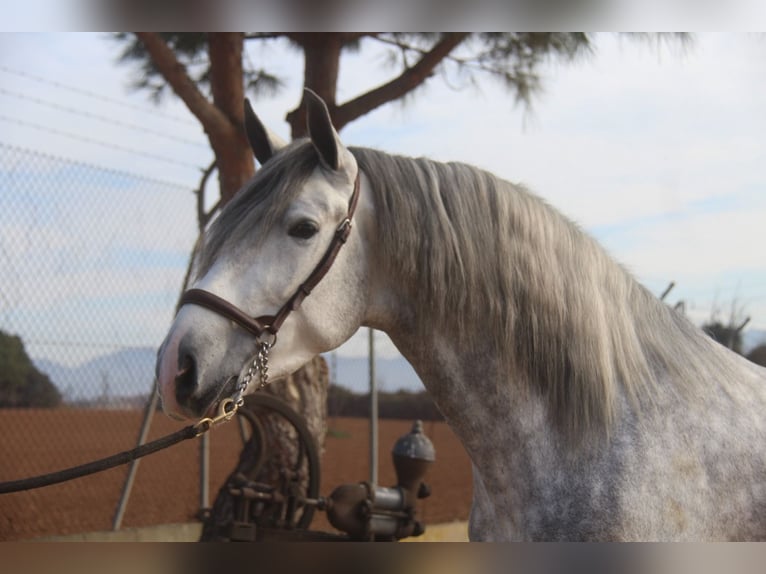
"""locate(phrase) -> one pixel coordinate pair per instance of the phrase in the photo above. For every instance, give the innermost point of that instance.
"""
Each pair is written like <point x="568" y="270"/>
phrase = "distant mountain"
<point x="130" y="372"/>
<point x="127" y="372"/>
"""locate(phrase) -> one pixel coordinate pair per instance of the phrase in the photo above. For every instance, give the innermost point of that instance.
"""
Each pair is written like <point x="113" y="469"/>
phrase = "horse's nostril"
<point x="186" y="379"/>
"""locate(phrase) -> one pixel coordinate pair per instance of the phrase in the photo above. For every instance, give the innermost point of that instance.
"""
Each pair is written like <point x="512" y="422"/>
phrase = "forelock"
<point x="252" y="212"/>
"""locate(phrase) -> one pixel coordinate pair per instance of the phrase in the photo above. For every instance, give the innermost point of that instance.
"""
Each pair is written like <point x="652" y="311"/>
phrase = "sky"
<point x="657" y="151"/>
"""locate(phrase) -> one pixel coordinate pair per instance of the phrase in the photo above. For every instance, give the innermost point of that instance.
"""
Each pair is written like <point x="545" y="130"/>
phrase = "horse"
<point x="589" y="409"/>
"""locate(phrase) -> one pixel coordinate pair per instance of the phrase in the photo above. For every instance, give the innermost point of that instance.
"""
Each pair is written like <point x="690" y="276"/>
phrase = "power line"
<point x="104" y="119"/>
<point x="98" y="142"/>
<point x="92" y="95"/>
<point x="4" y="147"/>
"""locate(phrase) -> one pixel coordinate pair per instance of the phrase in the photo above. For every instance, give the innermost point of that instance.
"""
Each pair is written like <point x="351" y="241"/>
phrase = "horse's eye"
<point x="303" y="230"/>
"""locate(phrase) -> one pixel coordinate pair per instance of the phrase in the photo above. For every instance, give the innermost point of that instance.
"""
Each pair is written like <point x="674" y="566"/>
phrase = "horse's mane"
<point x="485" y="256"/>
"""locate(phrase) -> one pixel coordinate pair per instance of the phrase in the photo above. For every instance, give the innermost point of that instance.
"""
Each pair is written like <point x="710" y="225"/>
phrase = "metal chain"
<point x="260" y="365"/>
<point x="262" y="362"/>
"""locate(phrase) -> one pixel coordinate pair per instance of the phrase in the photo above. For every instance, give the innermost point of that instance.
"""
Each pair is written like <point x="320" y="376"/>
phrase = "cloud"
<point x="69" y="70"/>
<point x="693" y="246"/>
<point x="93" y="259"/>
<point x="659" y="154"/>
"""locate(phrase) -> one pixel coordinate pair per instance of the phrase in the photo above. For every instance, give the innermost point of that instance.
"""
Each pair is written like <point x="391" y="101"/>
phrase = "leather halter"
<point x="270" y="324"/>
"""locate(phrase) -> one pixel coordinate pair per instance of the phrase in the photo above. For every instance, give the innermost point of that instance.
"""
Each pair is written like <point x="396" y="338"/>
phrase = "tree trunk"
<point x="322" y="64"/>
<point x="322" y="53"/>
<point x="232" y="152"/>
<point x="222" y="119"/>
<point x="306" y="390"/>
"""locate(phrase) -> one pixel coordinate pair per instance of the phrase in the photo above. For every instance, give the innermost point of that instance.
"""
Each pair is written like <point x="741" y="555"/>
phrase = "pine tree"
<point x="21" y="384"/>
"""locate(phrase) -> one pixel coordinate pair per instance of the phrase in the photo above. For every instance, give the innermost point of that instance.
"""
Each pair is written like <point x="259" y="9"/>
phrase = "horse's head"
<point x="259" y="255"/>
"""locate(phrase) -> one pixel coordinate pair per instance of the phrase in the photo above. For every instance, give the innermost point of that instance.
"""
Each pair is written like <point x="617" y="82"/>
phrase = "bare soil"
<point x="166" y="489"/>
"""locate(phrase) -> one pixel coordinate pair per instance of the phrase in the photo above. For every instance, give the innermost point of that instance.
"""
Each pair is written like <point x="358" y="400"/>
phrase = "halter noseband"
<point x="270" y="324"/>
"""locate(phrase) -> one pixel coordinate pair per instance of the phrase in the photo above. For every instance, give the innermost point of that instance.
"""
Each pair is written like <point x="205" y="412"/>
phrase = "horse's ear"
<point x="322" y="134"/>
<point x="263" y="141"/>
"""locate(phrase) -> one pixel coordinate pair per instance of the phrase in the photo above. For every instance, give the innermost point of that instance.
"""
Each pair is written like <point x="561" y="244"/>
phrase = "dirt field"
<point x="166" y="489"/>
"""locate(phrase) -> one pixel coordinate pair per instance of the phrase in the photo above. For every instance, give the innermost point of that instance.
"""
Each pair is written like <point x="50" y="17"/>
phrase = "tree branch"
<point x="202" y="216"/>
<point x="185" y="88"/>
<point x="225" y="52"/>
<point x="399" y="86"/>
<point x="474" y="62"/>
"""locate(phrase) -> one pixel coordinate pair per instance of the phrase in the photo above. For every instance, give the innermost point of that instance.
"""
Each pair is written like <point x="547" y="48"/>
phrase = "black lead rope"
<point x="125" y="457"/>
<point x="225" y="412"/>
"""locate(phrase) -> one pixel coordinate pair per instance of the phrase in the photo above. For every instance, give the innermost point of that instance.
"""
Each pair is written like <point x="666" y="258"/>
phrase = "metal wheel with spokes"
<point x="256" y="497"/>
<point x="299" y="478"/>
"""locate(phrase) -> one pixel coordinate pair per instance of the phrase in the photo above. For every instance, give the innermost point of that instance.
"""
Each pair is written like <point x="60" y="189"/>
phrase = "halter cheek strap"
<point x="270" y="324"/>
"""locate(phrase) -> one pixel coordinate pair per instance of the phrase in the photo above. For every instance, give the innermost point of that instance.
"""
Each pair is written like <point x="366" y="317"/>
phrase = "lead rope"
<point x="226" y="411"/>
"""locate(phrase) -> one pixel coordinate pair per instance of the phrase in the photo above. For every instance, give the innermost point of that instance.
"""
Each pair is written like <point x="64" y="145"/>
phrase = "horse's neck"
<point x="503" y="430"/>
<point x="473" y="393"/>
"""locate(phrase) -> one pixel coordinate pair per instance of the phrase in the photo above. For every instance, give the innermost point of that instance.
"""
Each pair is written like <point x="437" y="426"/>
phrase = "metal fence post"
<point x="373" y="411"/>
<point x="151" y="406"/>
<point x="204" y="474"/>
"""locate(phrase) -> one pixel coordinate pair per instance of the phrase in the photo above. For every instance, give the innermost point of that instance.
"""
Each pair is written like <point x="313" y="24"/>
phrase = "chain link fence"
<point x="92" y="263"/>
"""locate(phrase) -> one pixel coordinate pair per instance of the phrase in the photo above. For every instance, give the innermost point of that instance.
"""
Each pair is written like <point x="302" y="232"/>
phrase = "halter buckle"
<point x="343" y="230"/>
